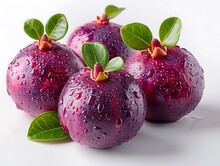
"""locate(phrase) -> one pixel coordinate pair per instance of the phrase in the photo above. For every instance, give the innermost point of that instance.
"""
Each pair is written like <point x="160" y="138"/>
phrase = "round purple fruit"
<point x="101" y="106"/>
<point x="36" y="76"/>
<point x="170" y="76"/>
<point x="101" y="31"/>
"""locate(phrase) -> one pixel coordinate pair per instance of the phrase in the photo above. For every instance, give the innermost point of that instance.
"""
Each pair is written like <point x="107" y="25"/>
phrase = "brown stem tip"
<point x="97" y="73"/>
<point x="44" y="43"/>
<point x="157" y="50"/>
<point x="103" y="19"/>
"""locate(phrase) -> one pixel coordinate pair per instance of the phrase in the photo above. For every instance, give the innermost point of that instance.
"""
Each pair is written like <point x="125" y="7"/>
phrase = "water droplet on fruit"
<point x="73" y="112"/>
<point x="118" y="123"/>
<point x="108" y="117"/>
<point x="35" y="72"/>
<point x="17" y="64"/>
<point x="97" y="128"/>
<point x="27" y="62"/>
<point x="33" y="64"/>
<point x="100" y="108"/>
<point x="91" y="100"/>
<point x="78" y="95"/>
<point x="104" y="134"/>
<point x="136" y="94"/>
<point x="93" y="91"/>
<point x="71" y="92"/>
<point x="18" y="77"/>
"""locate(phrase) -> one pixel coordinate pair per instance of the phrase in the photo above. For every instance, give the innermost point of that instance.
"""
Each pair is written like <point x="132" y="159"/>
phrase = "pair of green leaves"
<point x="138" y="36"/>
<point x="95" y="52"/>
<point x="56" y="27"/>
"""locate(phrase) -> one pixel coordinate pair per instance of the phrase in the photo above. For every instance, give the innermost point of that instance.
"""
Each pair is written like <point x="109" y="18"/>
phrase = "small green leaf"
<point x="169" y="32"/>
<point x="94" y="52"/>
<point x="136" y="35"/>
<point x="57" y="26"/>
<point x="46" y="127"/>
<point x="34" y="28"/>
<point x="112" y="11"/>
<point x="114" y="64"/>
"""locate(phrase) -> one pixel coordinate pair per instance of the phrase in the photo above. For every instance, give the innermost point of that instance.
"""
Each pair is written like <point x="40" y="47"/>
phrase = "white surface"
<point x="192" y="141"/>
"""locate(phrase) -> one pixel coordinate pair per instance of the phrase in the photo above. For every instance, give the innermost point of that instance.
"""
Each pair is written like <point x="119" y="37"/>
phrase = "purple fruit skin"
<point x="173" y="85"/>
<point x="35" y="78"/>
<point x="107" y="34"/>
<point x="102" y="114"/>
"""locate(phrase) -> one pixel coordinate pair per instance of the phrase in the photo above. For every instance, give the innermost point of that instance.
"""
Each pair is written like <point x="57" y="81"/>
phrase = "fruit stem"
<point x="103" y="19"/>
<point x="44" y="43"/>
<point x="157" y="50"/>
<point x="97" y="73"/>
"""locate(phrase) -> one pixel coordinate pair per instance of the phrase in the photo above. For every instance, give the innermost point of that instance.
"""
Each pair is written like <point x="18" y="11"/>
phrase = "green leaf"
<point x="112" y="11"/>
<point x="94" y="52"/>
<point x="46" y="127"/>
<point x="169" y="32"/>
<point x="114" y="64"/>
<point x="136" y="35"/>
<point x="57" y="26"/>
<point x="34" y="28"/>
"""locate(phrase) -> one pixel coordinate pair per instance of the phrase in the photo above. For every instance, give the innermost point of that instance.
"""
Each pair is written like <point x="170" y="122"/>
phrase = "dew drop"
<point x="92" y="100"/>
<point x="78" y="95"/>
<point x="97" y="128"/>
<point x="35" y="72"/>
<point x="136" y="94"/>
<point x="18" y="77"/>
<point x="27" y="62"/>
<point x="33" y="64"/>
<point x="100" y="108"/>
<point x="104" y="134"/>
<point x="118" y="123"/>
<point x="17" y="64"/>
<point x="71" y="92"/>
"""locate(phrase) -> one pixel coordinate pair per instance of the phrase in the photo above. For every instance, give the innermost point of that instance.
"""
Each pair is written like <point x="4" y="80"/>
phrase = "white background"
<point x="192" y="141"/>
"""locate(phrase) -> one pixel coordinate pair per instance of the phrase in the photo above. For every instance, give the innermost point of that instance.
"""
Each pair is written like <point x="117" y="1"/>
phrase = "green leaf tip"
<point x="114" y="64"/>
<point x="112" y="11"/>
<point x="46" y="127"/>
<point x="34" y="28"/>
<point x="136" y="35"/>
<point x="57" y="26"/>
<point x="95" y="52"/>
<point x="169" y="31"/>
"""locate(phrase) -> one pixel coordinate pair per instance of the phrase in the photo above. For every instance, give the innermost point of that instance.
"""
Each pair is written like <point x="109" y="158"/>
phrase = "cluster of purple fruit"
<point x="102" y="105"/>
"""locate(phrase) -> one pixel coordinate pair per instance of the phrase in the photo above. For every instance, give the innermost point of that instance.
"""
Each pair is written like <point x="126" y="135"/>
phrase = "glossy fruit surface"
<point x="173" y="85"/>
<point x="107" y="34"/>
<point x="36" y="77"/>
<point x="101" y="114"/>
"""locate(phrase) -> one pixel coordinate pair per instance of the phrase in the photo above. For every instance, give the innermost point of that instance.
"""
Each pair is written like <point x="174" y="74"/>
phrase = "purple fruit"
<point x="173" y="85"/>
<point x="101" y="31"/>
<point x="103" y="110"/>
<point x="36" y="76"/>
<point x="171" y="77"/>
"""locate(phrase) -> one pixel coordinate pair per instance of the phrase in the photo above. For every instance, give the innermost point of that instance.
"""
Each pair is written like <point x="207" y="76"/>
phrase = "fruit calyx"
<point x="96" y="56"/>
<point x="103" y="19"/>
<point x="44" y="43"/>
<point x="157" y="50"/>
<point x="56" y="28"/>
<point x="97" y="73"/>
